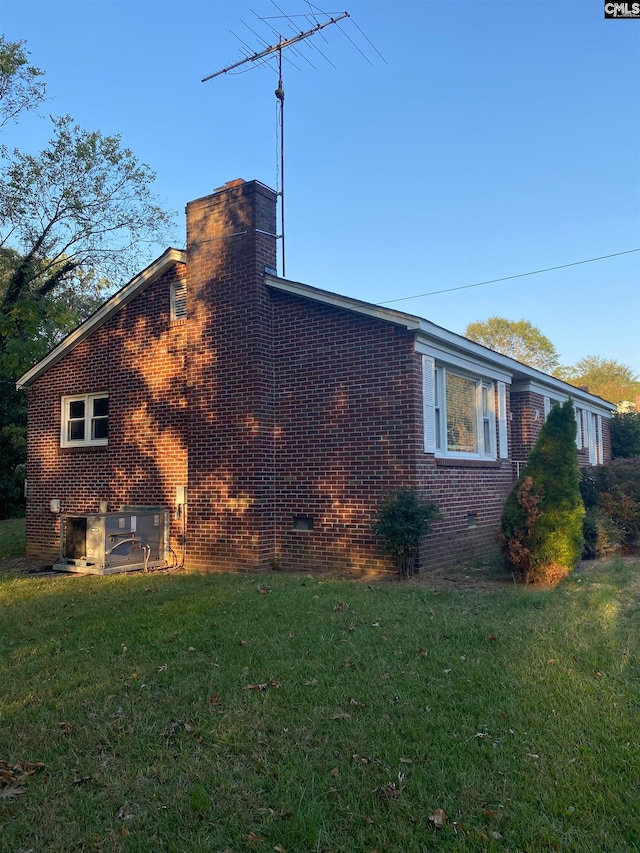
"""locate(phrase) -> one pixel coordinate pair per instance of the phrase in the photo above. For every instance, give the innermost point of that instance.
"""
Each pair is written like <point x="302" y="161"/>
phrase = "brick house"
<point x="285" y="410"/>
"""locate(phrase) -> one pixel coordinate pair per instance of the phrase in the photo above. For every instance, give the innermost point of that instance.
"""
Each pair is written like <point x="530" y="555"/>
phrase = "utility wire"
<point x="509" y="277"/>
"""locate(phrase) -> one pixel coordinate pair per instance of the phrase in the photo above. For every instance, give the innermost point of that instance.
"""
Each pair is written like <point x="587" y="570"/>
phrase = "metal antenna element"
<point x="259" y="58"/>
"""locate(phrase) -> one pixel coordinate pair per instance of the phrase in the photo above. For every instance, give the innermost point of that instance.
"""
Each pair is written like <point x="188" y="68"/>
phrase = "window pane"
<point x="486" y="434"/>
<point x="99" y="427"/>
<point x="76" y="409"/>
<point x="461" y="407"/>
<point x="76" y="430"/>
<point x="100" y="406"/>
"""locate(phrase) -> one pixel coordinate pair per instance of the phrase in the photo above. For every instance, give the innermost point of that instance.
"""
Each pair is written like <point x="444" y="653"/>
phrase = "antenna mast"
<point x="269" y="51"/>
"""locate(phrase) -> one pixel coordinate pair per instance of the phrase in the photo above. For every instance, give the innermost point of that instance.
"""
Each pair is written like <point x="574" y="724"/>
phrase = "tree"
<point x="75" y="221"/>
<point x="518" y="339"/>
<point x="541" y="532"/>
<point x="625" y="435"/>
<point x="605" y="378"/>
<point x="82" y="203"/>
<point x="20" y="85"/>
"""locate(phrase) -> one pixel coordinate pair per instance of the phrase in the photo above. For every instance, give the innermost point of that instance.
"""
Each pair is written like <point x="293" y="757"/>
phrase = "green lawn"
<point x="232" y="713"/>
<point x="12" y="537"/>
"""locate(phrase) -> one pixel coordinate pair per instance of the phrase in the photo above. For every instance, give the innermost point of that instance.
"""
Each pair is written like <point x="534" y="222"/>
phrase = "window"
<point x="85" y="420"/>
<point x="460" y="413"/>
<point x="178" y="300"/>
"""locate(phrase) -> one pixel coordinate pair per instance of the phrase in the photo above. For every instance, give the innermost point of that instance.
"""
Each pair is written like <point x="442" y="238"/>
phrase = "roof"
<point x="430" y="338"/>
<point x="444" y="343"/>
<point x="137" y="284"/>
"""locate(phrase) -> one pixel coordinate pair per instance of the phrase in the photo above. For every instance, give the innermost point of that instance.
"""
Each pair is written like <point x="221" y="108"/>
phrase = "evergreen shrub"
<point x="404" y="517"/>
<point x="541" y="534"/>
<point x="611" y="495"/>
<point x="625" y="435"/>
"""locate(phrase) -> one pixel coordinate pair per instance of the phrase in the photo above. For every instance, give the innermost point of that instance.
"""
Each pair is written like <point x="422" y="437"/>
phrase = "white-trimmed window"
<point x="460" y="413"/>
<point x="84" y="420"/>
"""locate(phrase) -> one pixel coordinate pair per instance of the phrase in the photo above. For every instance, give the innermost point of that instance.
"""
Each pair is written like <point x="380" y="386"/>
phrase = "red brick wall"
<point x="137" y="357"/>
<point x="346" y="421"/>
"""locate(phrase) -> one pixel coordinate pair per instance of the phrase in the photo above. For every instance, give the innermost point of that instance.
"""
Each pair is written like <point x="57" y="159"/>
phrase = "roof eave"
<point x="137" y="284"/>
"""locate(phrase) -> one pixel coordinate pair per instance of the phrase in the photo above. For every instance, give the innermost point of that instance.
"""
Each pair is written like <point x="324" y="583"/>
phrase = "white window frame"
<point x="435" y="413"/>
<point x="89" y="419"/>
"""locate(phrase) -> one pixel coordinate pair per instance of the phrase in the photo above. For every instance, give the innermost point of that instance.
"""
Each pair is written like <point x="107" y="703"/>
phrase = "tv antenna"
<point x="261" y="57"/>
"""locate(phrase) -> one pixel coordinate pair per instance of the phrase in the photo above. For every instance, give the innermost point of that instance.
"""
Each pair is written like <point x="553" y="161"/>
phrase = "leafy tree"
<point x="82" y="203"/>
<point x="20" y="85"/>
<point x="404" y="518"/>
<point x="75" y="220"/>
<point x="518" y="339"/>
<point x="541" y="533"/>
<point x="605" y="378"/>
<point x="625" y="434"/>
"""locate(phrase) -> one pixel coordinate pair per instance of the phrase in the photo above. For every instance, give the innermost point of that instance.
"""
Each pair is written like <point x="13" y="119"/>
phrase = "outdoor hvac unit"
<point x="104" y="543"/>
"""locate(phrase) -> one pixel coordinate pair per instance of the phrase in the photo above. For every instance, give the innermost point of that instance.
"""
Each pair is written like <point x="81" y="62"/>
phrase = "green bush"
<point x="541" y="534"/>
<point x="611" y="495"/>
<point x="625" y="435"/>
<point x="404" y="517"/>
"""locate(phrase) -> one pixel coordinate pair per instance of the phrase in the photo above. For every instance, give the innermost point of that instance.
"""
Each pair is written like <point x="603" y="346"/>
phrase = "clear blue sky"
<point x="497" y="138"/>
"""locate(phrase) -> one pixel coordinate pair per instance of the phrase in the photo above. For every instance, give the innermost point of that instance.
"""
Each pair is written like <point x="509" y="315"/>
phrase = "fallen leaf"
<point x="368" y="820"/>
<point x="552" y="661"/>
<point x="150" y="589"/>
<point x="122" y="812"/>
<point x="215" y="699"/>
<point x="256" y="686"/>
<point x="406" y="760"/>
<point x="357" y="704"/>
<point x="342" y="605"/>
<point x="244" y="642"/>
<point x="311" y="682"/>
<point x="341" y="715"/>
<point x="252" y="837"/>
<point x="11" y="791"/>
<point x="496" y="835"/>
<point x="264" y="590"/>
<point x="334" y="772"/>
<point x="279" y="848"/>
<point x="438" y="818"/>
<point x="67" y="728"/>
<point x="422" y="651"/>
<point x="492" y="637"/>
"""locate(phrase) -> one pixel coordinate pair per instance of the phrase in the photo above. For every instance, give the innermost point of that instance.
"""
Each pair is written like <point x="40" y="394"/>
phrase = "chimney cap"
<point x="235" y="183"/>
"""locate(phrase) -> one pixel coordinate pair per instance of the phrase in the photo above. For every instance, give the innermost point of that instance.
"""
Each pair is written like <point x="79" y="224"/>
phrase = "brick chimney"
<point x="230" y="239"/>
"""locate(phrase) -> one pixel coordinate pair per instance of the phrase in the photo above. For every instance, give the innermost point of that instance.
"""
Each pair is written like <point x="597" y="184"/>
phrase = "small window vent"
<point x="179" y="301"/>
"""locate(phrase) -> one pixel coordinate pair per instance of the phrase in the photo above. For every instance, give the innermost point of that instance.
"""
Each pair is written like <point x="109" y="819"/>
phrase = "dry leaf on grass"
<point x="11" y="791"/>
<point x="438" y="818"/>
<point x="271" y="683"/>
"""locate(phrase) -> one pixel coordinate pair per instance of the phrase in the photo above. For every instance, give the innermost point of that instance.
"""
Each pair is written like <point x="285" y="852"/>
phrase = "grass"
<point x="295" y="713"/>
<point x="12" y="537"/>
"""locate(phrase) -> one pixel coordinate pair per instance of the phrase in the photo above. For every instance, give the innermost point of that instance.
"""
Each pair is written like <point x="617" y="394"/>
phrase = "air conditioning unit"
<point x="105" y="543"/>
